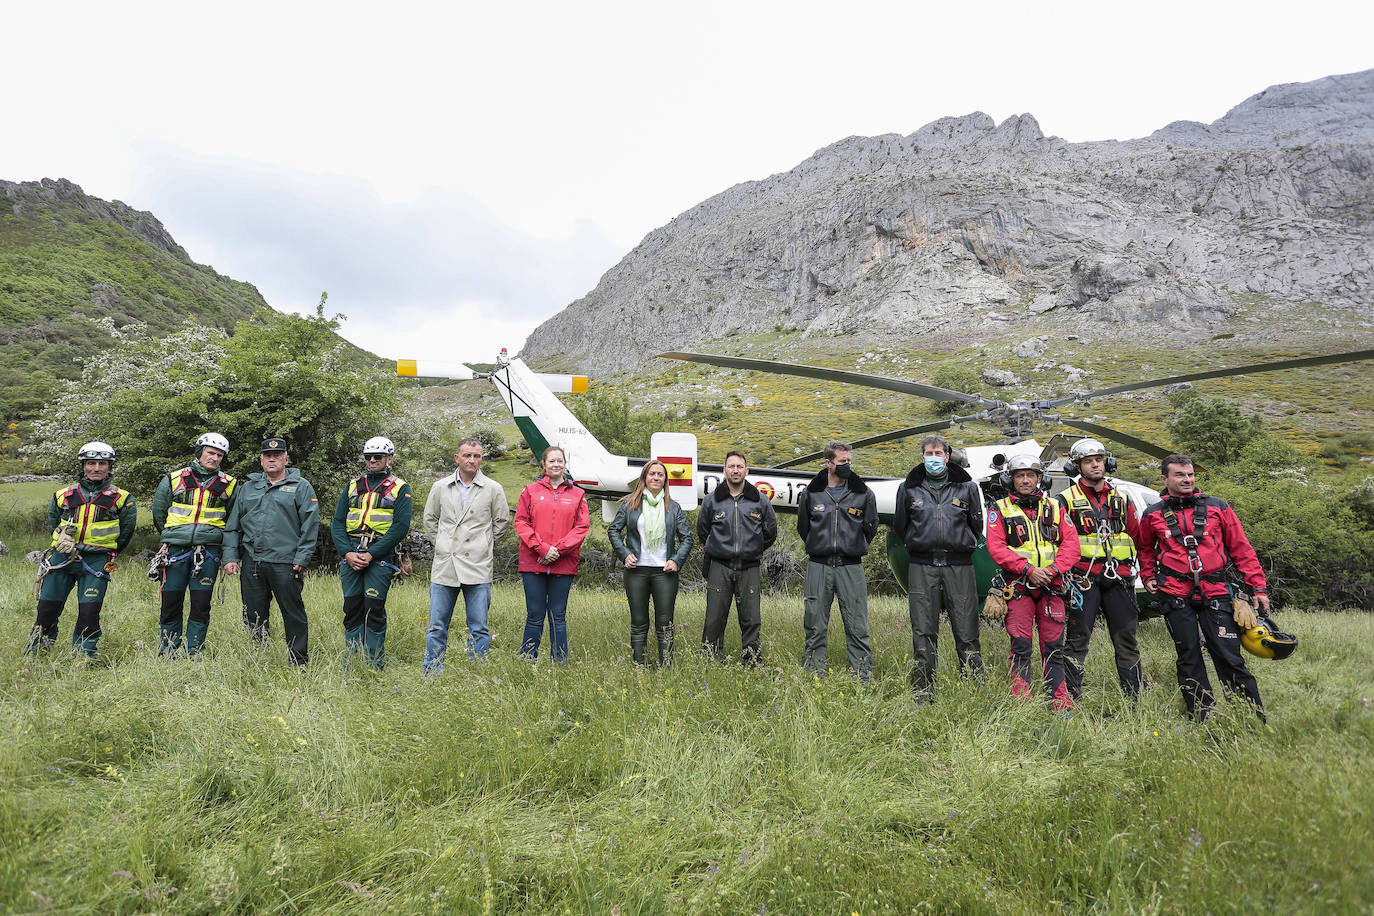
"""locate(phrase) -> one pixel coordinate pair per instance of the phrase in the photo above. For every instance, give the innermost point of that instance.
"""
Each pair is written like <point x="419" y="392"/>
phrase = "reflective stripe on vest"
<point x="1037" y="541"/>
<point x="370" y="510"/>
<point x="97" y="521"/>
<point x="1085" y="518"/>
<point x="194" y="503"/>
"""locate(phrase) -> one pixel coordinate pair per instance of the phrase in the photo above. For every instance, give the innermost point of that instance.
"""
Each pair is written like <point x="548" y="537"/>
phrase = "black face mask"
<point x="843" y="471"/>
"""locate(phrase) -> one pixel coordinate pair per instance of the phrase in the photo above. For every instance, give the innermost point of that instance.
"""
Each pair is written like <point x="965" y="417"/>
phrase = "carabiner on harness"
<point x="160" y="560"/>
<point x="197" y="561"/>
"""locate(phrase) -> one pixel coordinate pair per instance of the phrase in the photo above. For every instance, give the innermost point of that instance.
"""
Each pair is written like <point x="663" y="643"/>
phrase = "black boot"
<point x="665" y="646"/>
<point x="639" y="640"/>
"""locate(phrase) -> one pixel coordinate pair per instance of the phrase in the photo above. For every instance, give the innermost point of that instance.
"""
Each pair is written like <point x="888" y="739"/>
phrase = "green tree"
<point x="608" y="416"/>
<point x="1314" y="539"/>
<point x="955" y="378"/>
<point x="1212" y="431"/>
<point x="150" y="396"/>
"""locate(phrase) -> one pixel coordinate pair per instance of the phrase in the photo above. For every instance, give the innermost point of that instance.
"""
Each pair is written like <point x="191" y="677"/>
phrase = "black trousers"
<point x="959" y="587"/>
<point x="261" y="583"/>
<point x="724" y="584"/>
<point x="1211" y="618"/>
<point x="644" y="582"/>
<point x="1115" y="601"/>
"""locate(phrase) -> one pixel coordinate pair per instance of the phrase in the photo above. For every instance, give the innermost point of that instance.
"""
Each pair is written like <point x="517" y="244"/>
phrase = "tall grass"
<point x="233" y="783"/>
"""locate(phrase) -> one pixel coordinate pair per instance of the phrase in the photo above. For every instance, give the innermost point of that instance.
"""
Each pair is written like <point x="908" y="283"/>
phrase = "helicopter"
<point x="543" y="421"/>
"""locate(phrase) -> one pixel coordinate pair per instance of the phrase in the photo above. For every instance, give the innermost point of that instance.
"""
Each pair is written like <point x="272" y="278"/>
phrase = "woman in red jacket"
<point x="552" y="521"/>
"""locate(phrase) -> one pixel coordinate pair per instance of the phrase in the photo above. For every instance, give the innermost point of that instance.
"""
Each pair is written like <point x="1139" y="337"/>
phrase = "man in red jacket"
<point x="1186" y="540"/>
<point x="1033" y="540"/>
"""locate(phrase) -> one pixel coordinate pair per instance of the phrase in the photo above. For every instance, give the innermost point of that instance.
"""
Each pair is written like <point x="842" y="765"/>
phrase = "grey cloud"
<point x="293" y="234"/>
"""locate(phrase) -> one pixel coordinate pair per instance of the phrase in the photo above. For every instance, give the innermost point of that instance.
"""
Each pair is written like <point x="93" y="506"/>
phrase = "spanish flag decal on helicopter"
<point x="679" y="470"/>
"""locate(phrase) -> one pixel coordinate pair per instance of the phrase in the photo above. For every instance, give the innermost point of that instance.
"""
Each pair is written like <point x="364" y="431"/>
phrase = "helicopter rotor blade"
<point x="829" y="375"/>
<point x="870" y="440"/>
<point x="1352" y="356"/>
<point x="1116" y="435"/>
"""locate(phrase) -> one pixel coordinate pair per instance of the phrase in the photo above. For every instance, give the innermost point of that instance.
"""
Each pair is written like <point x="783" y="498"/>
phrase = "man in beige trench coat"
<point x="465" y="515"/>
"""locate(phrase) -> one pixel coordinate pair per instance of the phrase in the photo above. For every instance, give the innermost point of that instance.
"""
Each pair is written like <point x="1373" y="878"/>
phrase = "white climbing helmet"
<point x="96" y="451"/>
<point x="379" y="445"/>
<point x="213" y="440"/>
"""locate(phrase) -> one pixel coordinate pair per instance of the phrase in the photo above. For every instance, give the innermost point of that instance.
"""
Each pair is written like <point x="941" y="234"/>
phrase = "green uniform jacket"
<point x="275" y="522"/>
<point x="128" y="516"/>
<point x="384" y="546"/>
<point x="188" y="535"/>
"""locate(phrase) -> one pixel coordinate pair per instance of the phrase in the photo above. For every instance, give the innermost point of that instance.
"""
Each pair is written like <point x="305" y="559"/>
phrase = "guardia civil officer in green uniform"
<point x="372" y="517"/>
<point x="190" y="510"/>
<point x="91" y="521"/>
<point x="273" y="528"/>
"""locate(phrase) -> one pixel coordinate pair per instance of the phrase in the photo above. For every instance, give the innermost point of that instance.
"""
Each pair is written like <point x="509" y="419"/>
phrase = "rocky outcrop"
<point x="25" y="194"/>
<point x="973" y="220"/>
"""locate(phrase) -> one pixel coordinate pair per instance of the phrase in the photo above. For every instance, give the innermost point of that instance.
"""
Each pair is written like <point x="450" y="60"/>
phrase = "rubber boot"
<point x="374" y="633"/>
<point x="639" y="640"/>
<point x="1132" y="681"/>
<point x="198" y="623"/>
<point x="665" y="645"/>
<point x="44" y="626"/>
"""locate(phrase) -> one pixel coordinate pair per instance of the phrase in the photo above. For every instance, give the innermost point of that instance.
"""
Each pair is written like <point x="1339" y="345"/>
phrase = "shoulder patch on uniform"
<point x="992" y="516"/>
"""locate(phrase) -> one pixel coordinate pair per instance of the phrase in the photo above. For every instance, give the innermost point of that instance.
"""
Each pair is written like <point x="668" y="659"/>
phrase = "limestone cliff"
<point x="976" y="221"/>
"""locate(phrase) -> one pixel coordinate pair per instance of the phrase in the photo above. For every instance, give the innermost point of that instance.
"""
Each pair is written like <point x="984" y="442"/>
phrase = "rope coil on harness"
<point x="45" y="566"/>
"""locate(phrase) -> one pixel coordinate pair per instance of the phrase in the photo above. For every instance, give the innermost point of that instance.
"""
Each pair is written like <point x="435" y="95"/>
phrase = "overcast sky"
<point x="453" y="174"/>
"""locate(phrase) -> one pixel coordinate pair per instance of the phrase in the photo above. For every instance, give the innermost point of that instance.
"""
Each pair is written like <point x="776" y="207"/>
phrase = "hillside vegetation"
<point x="233" y="784"/>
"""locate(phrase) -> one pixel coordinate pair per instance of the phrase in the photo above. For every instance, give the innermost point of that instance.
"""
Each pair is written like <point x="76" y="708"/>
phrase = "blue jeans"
<point x="442" y="598"/>
<point x="546" y="595"/>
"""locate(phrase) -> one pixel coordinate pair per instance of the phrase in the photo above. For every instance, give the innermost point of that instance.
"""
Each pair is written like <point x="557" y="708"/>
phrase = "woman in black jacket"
<point x="651" y="537"/>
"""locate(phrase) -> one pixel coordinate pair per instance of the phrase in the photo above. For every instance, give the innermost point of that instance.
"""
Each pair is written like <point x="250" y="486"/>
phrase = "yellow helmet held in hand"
<point x="1266" y="640"/>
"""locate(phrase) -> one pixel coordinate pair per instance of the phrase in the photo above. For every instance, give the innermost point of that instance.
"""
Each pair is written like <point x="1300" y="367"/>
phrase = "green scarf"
<point x="654" y="518"/>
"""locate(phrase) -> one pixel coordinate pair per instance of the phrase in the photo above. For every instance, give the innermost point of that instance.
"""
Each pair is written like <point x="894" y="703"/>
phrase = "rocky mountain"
<point x="68" y="260"/>
<point x="967" y="224"/>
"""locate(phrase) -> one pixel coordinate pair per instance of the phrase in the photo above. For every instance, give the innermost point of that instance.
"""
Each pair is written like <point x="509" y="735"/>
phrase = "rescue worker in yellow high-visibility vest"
<point x="191" y="508"/>
<point x="1106" y="522"/>
<point x="91" y="521"/>
<point x="1031" y="538"/>
<point x="372" y="517"/>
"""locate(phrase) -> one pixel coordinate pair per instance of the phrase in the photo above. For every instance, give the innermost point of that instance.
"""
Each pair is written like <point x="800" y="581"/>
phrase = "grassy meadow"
<point x="233" y="783"/>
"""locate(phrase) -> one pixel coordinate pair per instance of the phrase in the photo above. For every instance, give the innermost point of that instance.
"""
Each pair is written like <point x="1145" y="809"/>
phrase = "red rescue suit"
<point x="1164" y="547"/>
<point x="1021" y="527"/>
<point x="1184" y="544"/>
